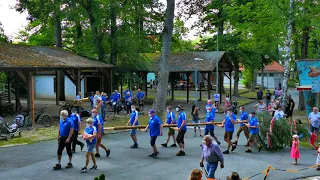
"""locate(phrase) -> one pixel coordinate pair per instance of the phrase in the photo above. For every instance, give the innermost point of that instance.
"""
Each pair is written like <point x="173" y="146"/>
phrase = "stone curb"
<point x="13" y="145"/>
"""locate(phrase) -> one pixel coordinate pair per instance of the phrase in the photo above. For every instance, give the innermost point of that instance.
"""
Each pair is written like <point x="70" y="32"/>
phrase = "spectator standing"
<point x="314" y="120"/>
<point x="259" y="95"/>
<point x="195" y="112"/>
<point x="268" y="97"/>
<point x="217" y="100"/>
<point x="260" y="107"/>
<point x="295" y="153"/>
<point x="226" y="103"/>
<point x="289" y="108"/>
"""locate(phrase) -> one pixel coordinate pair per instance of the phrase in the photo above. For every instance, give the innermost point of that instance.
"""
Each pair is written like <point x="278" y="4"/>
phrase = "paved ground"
<point x="33" y="162"/>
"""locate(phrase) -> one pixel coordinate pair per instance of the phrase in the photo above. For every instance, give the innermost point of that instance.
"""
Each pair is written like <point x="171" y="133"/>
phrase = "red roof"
<point x="273" y="67"/>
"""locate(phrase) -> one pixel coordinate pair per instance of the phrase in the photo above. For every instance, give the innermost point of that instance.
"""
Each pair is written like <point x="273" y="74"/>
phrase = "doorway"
<point x="93" y="84"/>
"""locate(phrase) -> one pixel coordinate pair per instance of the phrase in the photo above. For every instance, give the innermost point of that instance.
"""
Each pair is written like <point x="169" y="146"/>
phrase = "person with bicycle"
<point x="64" y="138"/>
<point x="211" y="152"/>
<point x="99" y="124"/>
<point x="77" y="127"/>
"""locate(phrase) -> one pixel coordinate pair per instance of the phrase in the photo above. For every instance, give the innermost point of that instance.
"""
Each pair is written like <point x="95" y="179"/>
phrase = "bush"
<point x="281" y="135"/>
<point x="101" y="177"/>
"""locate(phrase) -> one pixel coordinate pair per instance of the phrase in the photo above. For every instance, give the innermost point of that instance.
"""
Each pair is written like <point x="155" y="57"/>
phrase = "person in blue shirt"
<point x="209" y="104"/>
<point x="140" y="97"/>
<point x="182" y="129"/>
<point x="155" y="126"/>
<point x="134" y="121"/>
<point x="91" y="100"/>
<point x="90" y="136"/>
<point x="64" y="138"/>
<point x="76" y="120"/>
<point x="98" y="123"/>
<point x="128" y="100"/>
<point x="103" y="105"/>
<point x="210" y="127"/>
<point x="243" y="127"/>
<point x="253" y="125"/>
<point x="126" y="91"/>
<point x="228" y="123"/>
<point x="171" y="119"/>
<point x="115" y="99"/>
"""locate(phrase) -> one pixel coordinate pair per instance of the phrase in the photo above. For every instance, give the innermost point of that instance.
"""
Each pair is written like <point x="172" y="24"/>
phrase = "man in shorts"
<point x="210" y="127"/>
<point x="314" y="120"/>
<point x="243" y="127"/>
<point x="155" y="126"/>
<point x="182" y="129"/>
<point x="64" y="138"/>
<point x="133" y="121"/>
<point x="99" y="124"/>
<point x="90" y="135"/>
<point x="253" y="138"/>
<point x="171" y="119"/>
<point x="228" y="123"/>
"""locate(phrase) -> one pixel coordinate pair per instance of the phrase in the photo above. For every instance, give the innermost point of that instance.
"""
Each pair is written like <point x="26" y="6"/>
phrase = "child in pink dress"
<point x="295" y="153"/>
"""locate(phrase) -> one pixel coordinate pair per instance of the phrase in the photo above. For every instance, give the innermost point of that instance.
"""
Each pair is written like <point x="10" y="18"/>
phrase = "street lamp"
<point x="196" y="80"/>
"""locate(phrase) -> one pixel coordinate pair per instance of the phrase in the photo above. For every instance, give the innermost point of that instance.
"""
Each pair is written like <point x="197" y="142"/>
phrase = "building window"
<point x="271" y="74"/>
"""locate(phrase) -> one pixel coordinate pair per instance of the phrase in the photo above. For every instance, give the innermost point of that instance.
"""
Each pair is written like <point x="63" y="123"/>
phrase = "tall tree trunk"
<point x="254" y="81"/>
<point x="113" y="55"/>
<point x="288" y="54"/>
<point x="262" y="77"/>
<point x="163" y="75"/>
<point x="236" y="78"/>
<point x="95" y="28"/>
<point x="304" y="55"/>
<point x="58" y="38"/>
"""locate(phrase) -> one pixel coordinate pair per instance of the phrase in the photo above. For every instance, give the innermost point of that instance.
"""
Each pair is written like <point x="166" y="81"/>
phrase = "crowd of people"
<point x="211" y="152"/>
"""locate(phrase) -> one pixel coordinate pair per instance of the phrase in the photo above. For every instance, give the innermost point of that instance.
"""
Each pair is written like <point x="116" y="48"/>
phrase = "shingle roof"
<point x="274" y="67"/>
<point x="16" y="55"/>
<point x="184" y="62"/>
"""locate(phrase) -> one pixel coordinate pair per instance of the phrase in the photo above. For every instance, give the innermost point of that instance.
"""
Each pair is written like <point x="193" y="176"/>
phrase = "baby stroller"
<point x="234" y="107"/>
<point x="7" y="131"/>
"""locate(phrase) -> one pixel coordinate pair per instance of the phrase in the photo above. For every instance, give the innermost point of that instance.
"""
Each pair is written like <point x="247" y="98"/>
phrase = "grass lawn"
<point x="33" y="136"/>
<point x="299" y="113"/>
<point x="123" y="120"/>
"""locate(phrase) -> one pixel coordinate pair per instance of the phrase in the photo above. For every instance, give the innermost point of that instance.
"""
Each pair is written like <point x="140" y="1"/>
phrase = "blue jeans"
<point x="211" y="168"/>
<point x="103" y="112"/>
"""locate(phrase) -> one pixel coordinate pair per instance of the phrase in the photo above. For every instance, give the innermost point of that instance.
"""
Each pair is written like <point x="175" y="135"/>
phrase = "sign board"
<point x="308" y="71"/>
<point x="316" y="86"/>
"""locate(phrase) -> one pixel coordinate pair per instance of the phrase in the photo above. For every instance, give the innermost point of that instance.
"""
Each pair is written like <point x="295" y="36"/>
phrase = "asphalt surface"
<point x="35" y="161"/>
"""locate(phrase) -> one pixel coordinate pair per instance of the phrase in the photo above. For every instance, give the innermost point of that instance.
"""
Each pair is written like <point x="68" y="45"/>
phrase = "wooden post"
<point x="9" y="87"/>
<point x="230" y="80"/>
<point x="61" y="85"/>
<point x="30" y="98"/>
<point x="209" y="84"/>
<point x="16" y="86"/>
<point x="188" y="86"/>
<point x="57" y="87"/>
<point x="172" y="86"/>
<point x="111" y="88"/>
<point x="77" y="80"/>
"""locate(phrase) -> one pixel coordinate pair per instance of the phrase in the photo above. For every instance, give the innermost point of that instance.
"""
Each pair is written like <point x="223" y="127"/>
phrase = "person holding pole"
<point x="98" y="123"/>
<point x="90" y="135"/>
<point x="171" y="119"/>
<point x="155" y="126"/>
<point x="243" y="127"/>
<point x="133" y="121"/>
<point x="228" y="123"/>
<point x="182" y="129"/>
<point x="210" y="127"/>
<point x="77" y="128"/>
<point x="253" y="125"/>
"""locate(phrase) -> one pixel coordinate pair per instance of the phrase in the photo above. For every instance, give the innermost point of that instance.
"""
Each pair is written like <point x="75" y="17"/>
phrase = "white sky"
<point x="14" y="21"/>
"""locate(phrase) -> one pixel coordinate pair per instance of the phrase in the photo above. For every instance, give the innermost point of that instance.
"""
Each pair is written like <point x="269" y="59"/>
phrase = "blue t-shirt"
<point x="254" y="122"/>
<point x="91" y="100"/>
<point x="128" y="99"/>
<point x="171" y="117"/>
<point x="65" y="127"/>
<point x="228" y="124"/>
<point x="140" y="95"/>
<point x="208" y="105"/>
<point x="182" y="116"/>
<point x="154" y="125"/>
<point x="126" y="91"/>
<point x="104" y="100"/>
<point x="78" y="97"/>
<point x="91" y="130"/>
<point x="243" y="117"/>
<point x="97" y="121"/>
<point x="116" y="97"/>
<point x="76" y="120"/>
<point x="133" y="116"/>
<point x="209" y="118"/>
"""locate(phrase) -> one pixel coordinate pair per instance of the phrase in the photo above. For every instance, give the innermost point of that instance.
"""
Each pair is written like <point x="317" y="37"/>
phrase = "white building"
<point x="273" y="74"/>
